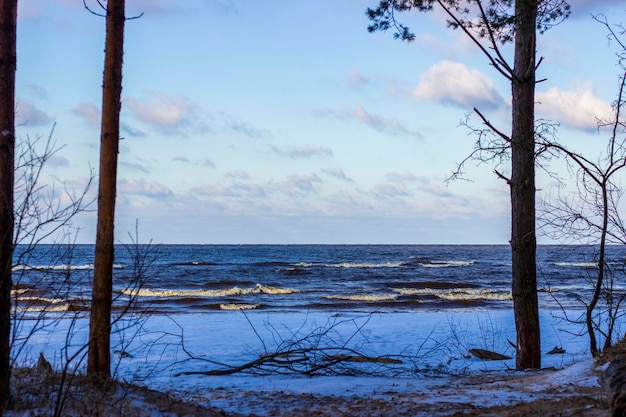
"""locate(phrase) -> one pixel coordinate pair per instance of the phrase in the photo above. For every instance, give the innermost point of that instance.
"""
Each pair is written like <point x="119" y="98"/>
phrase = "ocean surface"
<point x="173" y="279"/>
<point x="182" y="310"/>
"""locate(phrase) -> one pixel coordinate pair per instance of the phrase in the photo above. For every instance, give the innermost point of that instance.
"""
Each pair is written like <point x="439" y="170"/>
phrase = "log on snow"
<point x="487" y="355"/>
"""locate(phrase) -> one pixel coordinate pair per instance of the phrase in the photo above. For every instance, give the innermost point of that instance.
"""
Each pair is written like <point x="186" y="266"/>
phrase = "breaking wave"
<point x="578" y="264"/>
<point x="239" y="306"/>
<point x="369" y="298"/>
<point x="446" y="264"/>
<point x="59" y="267"/>
<point x="457" y="293"/>
<point x="257" y="289"/>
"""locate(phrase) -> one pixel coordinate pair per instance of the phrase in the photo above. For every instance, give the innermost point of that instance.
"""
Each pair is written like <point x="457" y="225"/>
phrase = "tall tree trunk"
<point x="523" y="239"/>
<point x="99" y="360"/>
<point x="8" y="60"/>
<point x="593" y="343"/>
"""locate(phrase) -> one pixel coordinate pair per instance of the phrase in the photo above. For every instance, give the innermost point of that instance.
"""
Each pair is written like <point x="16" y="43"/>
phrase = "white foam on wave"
<point x="257" y="289"/>
<point x="351" y="265"/>
<point x="62" y="308"/>
<point x="457" y="293"/>
<point x="578" y="264"/>
<point x="370" y="298"/>
<point x="239" y="306"/>
<point x="42" y="300"/>
<point x="447" y="264"/>
<point x="59" y="267"/>
<point x="366" y="265"/>
<point x="19" y="291"/>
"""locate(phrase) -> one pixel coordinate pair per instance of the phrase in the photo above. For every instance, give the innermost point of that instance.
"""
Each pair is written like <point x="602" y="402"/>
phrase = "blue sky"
<point x="282" y="121"/>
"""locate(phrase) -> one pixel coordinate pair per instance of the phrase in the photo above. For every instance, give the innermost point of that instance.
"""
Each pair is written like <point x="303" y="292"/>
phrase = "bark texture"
<point x="613" y="380"/>
<point x="522" y="183"/>
<point x="8" y="60"/>
<point x="99" y="360"/>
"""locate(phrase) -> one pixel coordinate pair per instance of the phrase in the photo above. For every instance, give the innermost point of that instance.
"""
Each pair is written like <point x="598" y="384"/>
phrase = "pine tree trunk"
<point x="523" y="239"/>
<point x="8" y="22"/>
<point x="99" y="360"/>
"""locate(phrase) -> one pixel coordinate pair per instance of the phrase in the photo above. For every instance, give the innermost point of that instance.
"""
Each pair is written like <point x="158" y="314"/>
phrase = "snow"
<point x="155" y="350"/>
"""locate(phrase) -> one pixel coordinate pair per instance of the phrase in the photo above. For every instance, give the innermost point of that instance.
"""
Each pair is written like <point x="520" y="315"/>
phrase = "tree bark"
<point x="613" y="380"/>
<point x="522" y="183"/>
<point x="8" y="61"/>
<point x="99" y="360"/>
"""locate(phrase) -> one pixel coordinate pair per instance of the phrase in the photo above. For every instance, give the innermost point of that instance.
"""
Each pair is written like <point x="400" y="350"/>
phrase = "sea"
<point x="174" y="279"/>
<point x="184" y="312"/>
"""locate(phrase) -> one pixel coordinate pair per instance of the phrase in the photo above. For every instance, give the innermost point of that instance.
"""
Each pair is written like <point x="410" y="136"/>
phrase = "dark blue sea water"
<point x="168" y="279"/>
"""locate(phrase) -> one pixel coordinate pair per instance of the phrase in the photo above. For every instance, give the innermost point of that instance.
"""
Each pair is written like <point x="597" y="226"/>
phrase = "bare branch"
<point x="492" y="127"/>
<point x="499" y="64"/>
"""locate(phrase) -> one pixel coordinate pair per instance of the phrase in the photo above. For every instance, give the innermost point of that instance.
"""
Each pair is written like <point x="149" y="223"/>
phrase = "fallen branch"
<point x="322" y="351"/>
<point x="487" y="355"/>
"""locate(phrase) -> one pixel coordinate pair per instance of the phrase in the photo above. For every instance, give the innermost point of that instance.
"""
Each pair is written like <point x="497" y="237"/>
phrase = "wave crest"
<point x="446" y="264"/>
<point x="370" y="298"/>
<point x="257" y="289"/>
<point x="239" y="306"/>
<point x="457" y="293"/>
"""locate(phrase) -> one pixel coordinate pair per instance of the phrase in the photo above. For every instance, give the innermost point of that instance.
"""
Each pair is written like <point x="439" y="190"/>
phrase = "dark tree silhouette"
<point x="8" y="24"/>
<point x="99" y="359"/>
<point x="498" y="22"/>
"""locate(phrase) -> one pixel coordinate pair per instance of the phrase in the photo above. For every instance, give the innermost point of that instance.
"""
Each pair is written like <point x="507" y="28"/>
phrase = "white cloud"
<point x="57" y="161"/>
<point x="26" y="113"/>
<point x="238" y="175"/>
<point x="453" y="83"/>
<point x="391" y="190"/>
<point x="164" y="113"/>
<point x="306" y="151"/>
<point x="143" y="188"/>
<point x="89" y="113"/>
<point x="405" y="176"/>
<point x="239" y="190"/>
<point x="337" y="173"/>
<point x="296" y="185"/>
<point x="132" y="131"/>
<point x="379" y="123"/>
<point x="235" y="125"/>
<point x="577" y="108"/>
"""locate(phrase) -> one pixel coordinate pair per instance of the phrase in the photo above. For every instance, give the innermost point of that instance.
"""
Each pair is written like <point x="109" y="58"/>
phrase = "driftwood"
<point x="613" y="379"/>
<point x="487" y="355"/>
<point x="556" y="351"/>
<point x="363" y="359"/>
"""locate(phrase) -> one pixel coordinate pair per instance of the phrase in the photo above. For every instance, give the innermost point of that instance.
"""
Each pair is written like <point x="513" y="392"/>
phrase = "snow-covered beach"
<point x="172" y="354"/>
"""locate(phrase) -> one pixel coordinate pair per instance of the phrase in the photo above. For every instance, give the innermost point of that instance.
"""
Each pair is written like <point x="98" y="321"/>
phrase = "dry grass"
<point x="36" y="393"/>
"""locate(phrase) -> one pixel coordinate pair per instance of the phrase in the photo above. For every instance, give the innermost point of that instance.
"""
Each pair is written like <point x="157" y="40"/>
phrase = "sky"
<point x="283" y="121"/>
